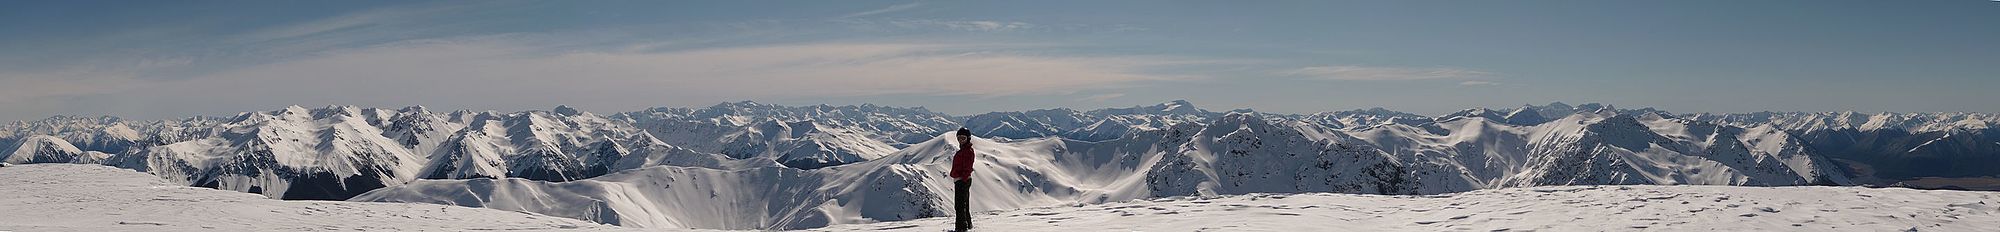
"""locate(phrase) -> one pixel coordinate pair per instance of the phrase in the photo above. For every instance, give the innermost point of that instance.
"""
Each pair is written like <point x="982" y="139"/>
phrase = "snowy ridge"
<point x="1095" y="125"/>
<point x="1029" y="124"/>
<point x="1890" y="146"/>
<point x="696" y="127"/>
<point x="48" y="149"/>
<point x="1913" y="122"/>
<point x="69" y="197"/>
<point x="1586" y="148"/>
<point x="292" y="153"/>
<point x="344" y="151"/>
<point x="1242" y="153"/>
<point x="804" y="144"/>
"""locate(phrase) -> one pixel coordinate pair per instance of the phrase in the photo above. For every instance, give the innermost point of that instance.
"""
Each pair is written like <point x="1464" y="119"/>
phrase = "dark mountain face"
<point x="1897" y="154"/>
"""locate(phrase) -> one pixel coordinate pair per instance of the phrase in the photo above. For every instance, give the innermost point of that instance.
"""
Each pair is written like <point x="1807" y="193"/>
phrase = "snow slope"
<point x="1593" y="148"/>
<point x="71" y="197"/>
<point x="48" y="149"/>
<point x="908" y="184"/>
<point x="1554" y="208"/>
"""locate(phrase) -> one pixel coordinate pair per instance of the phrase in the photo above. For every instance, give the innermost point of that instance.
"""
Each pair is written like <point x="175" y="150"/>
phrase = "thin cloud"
<point x="360" y="19"/>
<point x="501" y="73"/>
<point x="1368" y="73"/>
<point x="1479" y="83"/>
<point x="884" y="10"/>
<point x="18" y="86"/>
<point x="980" y="26"/>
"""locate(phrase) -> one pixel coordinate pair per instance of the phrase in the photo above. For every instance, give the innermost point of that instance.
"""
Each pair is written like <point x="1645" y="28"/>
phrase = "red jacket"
<point x="961" y="164"/>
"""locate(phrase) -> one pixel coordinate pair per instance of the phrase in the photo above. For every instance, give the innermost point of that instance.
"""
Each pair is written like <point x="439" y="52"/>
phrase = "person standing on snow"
<point x="961" y="174"/>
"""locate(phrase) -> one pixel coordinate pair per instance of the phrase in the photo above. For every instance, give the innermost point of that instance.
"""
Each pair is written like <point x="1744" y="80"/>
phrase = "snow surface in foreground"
<point x="65" y="197"/>
<point x="1559" y="208"/>
<point x="72" y="197"/>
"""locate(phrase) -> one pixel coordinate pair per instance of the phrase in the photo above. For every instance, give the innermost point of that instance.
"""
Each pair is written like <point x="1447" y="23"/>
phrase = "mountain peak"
<point x="1177" y="107"/>
<point x="565" y="110"/>
<point x="340" y="107"/>
<point x="415" y="109"/>
<point x="1474" y="113"/>
<point x="740" y="104"/>
<point x="293" y="109"/>
<point x="1559" y="104"/>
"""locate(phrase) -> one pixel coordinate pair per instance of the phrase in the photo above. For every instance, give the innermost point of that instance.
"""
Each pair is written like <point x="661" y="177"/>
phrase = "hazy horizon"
<point x="960" y="114"/>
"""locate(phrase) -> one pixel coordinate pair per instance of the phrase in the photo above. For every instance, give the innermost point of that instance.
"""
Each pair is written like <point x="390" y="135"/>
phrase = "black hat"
<point x="965" y="132"/>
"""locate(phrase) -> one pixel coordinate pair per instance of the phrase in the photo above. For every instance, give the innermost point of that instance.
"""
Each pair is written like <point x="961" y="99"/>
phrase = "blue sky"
<point x="160" y="59"/>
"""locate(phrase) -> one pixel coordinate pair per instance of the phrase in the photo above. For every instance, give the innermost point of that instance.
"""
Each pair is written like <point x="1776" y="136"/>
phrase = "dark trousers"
<point x="964" y="209"/>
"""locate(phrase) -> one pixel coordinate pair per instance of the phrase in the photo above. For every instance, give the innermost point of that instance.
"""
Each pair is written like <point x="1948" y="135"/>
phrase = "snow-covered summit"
<point x="1175" y="107"/>
<point x="1912" y="122"/>
<point x="48" y="149"/>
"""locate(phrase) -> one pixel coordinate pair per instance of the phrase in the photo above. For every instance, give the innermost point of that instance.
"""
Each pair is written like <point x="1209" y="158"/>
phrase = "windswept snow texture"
<point x="1563" y="208"/>
<point x="69" y="197"/>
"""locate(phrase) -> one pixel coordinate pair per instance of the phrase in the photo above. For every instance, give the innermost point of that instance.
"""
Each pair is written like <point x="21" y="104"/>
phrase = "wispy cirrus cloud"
<point x="885" y="10"/>
<point x="1478" y="83"/>
<point x="792" y="70"/>
<point x="1373" y="73"/>
<point x="975" y="25"/>
<point x="502" y="73"/>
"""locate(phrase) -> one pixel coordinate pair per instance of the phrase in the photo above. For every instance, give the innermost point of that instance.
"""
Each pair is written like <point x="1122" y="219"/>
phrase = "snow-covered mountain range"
<point x="749" y="165"/>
